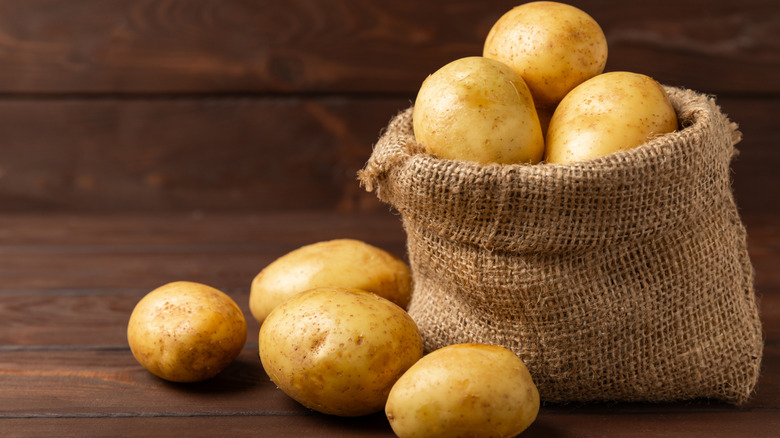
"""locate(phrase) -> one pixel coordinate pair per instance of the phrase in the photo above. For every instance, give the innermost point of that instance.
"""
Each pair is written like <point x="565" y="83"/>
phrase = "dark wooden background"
<point x="146" y="141"/>
<point x="229" y="105"/>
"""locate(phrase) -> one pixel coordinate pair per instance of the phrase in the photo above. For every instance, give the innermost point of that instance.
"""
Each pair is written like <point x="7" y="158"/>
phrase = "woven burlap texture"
<point x="624" y="278"/>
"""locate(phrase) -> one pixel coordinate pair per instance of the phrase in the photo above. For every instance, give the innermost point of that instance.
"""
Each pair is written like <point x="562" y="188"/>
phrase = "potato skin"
<point x="346" y="263"/>
<point x="553" y="46"/>
<point x="611" y="112"/>
<point x="464" y="390"/>
<point x="186" y="332"/>
<point x="338" y="351"/>
<point x="479" y="110"/>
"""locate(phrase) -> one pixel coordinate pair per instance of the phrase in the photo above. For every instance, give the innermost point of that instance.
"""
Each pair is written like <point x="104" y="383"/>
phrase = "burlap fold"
<point x="622" y="278"/>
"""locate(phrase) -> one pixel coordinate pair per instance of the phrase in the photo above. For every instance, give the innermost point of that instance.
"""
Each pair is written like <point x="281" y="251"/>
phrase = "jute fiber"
<point x="624" y="278"/>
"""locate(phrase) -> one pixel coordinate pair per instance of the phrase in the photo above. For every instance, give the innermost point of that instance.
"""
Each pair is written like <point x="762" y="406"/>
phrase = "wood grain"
<point x="638" y="425"/>
<point x="82" y="318"/>
<point x="187" y="154"/>
<point x="207" y="46"/>
<point x="239" y="426"/>
<point x="187" y="233"/>
<point x="113" y="256"/>
<point x="110" y="383"/>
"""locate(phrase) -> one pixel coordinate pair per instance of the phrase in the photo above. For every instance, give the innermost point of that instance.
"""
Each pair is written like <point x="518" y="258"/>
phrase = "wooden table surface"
<point x="149" y="141"/>
<point x="70" y="283"/>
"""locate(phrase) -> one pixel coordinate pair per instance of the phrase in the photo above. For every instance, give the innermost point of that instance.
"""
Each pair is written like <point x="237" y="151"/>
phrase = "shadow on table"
<point x="245" y="374"/>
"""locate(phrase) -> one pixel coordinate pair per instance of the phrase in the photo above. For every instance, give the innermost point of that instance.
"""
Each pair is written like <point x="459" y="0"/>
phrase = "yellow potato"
<point x="473" y="390"/>
<point x="608" y="113"/>
<point x="186" y="332"/>
<point x="345" y="263"/>
<point x="554" y="47"/>
<point x="480" y="110"/>
<point x="338" y="351"/>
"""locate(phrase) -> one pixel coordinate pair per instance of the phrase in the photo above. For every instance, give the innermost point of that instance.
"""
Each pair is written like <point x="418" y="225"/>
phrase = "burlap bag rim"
<point x="533" y="216"/>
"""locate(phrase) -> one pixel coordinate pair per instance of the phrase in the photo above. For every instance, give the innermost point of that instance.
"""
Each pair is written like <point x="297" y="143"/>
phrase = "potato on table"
<point x="468" y="390"/>
<point x="346" y="263"/>
<point x="186" y="332"/>
<point x="338" y="351"/>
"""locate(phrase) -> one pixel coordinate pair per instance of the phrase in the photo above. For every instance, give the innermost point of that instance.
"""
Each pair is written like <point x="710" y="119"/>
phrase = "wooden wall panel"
<point x="240" y="105"/>
<point x="188" y="154"/>
<point x="755" y="176"/>
<point x="175" y="46"/>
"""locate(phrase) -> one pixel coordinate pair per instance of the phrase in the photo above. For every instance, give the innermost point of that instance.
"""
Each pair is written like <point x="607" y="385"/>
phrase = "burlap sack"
<point x="623" y="278"/>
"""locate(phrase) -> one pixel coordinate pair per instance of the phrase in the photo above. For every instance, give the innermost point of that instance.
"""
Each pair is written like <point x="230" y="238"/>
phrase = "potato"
<point x="480" y="110"/>
<point x="473" y="390"/>
<point x="345" y="263"/>
<point x="608" y="113"/>
<point x="552" y="45"/>
<point x="186" y="332"/>
<point x="338" y="351"/>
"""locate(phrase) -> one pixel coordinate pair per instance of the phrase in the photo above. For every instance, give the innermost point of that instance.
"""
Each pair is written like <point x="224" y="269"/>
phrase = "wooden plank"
<point x="764" y="248"/>
<point x="269" y="232"/>
<point x="86" y="319"/>
<point x="769" y="306"/>
<point x="189" y="154"/>
<point x="202" y="46"/>
<point x="246" y="155"/>
<point x="74" y="383"/>
<point x="690" y="43"/>
<point x="109" y="382"/>
<point x="756" y="182"/>
<point x="193" y="249"/>
<point x="41" y="383"/>
<point x="135" y="271"/>
<point x="761" y="424"/>
<point x="764" y="424"/>
<point x="238" y="426"/>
